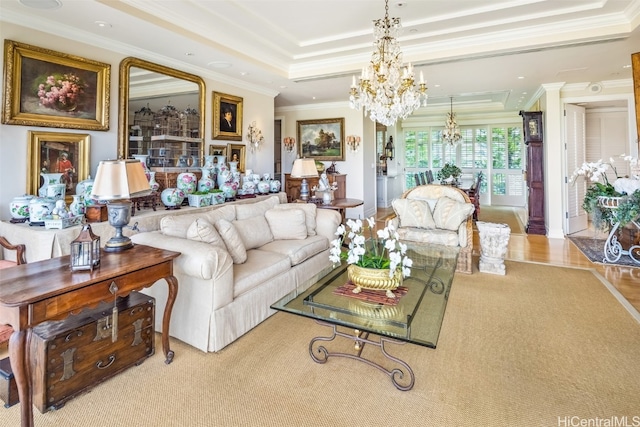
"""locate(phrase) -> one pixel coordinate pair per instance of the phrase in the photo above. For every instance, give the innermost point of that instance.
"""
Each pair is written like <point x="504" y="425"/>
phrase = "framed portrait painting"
<point x="57" y="152"/>
<point x="227" y="117"/>
<point x="321" y="139"/>
<point x="236" y="153"/>
<point x="46" y="88"/>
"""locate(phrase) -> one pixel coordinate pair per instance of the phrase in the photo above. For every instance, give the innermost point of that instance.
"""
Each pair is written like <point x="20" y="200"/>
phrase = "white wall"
<point x="354" y="163"/>
<point x="258" y="106"/>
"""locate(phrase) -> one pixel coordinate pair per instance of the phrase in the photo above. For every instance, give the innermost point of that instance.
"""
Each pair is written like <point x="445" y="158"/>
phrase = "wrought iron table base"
<point x="613" y="249"/>
<point x="321" y="354"/>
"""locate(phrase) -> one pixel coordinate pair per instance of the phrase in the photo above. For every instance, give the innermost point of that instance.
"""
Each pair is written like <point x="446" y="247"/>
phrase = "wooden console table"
<point x="48" y="290"/>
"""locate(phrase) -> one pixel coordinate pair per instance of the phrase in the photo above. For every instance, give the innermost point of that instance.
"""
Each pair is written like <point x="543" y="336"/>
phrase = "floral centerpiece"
<point x="60" y="91"/>
<point x="382" y="252"/>
<point x="449" y="170"/>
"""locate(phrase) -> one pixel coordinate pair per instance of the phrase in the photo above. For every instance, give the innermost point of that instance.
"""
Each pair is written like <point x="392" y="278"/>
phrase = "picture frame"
<point x="222" y="128"/>
<point x="29" y="74"/>
<point x="45" y="154"/>
<point x="238" y="150"/>
<point x="321" y="139"/>
<point x="635" y="65"/>
<point x="217" y="150"/>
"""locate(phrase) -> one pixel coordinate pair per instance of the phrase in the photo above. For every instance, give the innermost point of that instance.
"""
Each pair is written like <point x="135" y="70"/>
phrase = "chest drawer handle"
<point x="112" y="358"/>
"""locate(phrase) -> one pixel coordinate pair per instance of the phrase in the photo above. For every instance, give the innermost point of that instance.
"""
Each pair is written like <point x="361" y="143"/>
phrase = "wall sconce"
<point x="353" y="142"/>
<point x="389" y="149"/>
<point x="289" y="144"/>
<point x="254" y="136"/>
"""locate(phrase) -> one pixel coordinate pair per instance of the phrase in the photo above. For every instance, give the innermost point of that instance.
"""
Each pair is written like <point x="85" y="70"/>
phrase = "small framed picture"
<point x="236" y="153"/>
<point x="227" y="117"/>
<point x="52" y="89"/>
<point x="217" y="150"/>
<point x="321" y="139"/>
<point x="57" y="152"/>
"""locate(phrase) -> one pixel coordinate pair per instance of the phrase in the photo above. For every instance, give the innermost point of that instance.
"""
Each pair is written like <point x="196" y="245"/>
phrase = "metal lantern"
<point x="85" y="250"/>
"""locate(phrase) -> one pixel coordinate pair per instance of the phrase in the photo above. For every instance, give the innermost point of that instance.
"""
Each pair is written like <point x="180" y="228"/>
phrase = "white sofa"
<point x="436" y="214"/>
<point x="235" y="262"/>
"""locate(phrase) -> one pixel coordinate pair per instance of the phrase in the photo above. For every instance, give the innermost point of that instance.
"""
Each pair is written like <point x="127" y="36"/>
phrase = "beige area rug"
<point x="503" y="215"/>
<point x="536" y="347"/>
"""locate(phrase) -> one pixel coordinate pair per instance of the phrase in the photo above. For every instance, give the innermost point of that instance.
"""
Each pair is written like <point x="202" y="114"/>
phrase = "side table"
<point x="341" y="205"/>
<point x="48" y="290"/>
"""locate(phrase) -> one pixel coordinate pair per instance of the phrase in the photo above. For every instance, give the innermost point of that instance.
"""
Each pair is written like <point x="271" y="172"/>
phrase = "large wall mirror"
<point x="161" y="114"/>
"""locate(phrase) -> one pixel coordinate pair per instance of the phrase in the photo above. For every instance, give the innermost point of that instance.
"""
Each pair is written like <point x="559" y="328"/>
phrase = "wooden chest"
<point x="72" y="355"/>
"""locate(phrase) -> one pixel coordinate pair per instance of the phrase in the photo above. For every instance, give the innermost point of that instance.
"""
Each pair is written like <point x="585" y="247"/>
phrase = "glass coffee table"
<point x="414" y="316"/>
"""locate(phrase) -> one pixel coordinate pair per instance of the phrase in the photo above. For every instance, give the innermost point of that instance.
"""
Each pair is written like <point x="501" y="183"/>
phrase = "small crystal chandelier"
<point x="254" y="136"/>
<point x="386" y="89"/>
<point x="451" y="132"/>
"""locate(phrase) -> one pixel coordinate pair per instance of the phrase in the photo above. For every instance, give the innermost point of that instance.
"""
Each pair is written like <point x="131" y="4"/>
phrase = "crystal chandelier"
<point x="451" y="132"/>
<point x="386" y="89"/>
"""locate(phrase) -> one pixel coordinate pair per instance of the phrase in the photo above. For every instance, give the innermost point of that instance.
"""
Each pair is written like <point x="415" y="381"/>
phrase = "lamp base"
<point x="116" y="244"/>
<point x="119" y="217"/>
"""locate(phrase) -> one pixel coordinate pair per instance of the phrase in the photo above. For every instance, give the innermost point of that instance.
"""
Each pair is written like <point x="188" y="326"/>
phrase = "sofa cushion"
<point x="202" y="230"/>
<point x="309" y="214"/>
<point x="232" y="241"/>
<point x="250" y="210"/>
<point x="414" y="213"/>
<point x="176" y="225"/>
<point x="449" y="213"/>
<point x="260" y="267"/>
<point x="298" y="251"/>
<point x="254" y="231"/>
<point x="287" y="224"/>
<point x="433" y="236"/>
<point x="227" y="212"/>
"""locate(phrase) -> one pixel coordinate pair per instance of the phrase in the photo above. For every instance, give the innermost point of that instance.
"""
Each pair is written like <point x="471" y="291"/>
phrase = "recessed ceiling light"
<point x="42" y="4"/>
<point x="189" y="54"/>
<point x="520" y="77"/>
<point x="626" y="66"/>
<point x="219" y="64"/>
<point x="243" y="73"/>
<point x="102" y="24"/>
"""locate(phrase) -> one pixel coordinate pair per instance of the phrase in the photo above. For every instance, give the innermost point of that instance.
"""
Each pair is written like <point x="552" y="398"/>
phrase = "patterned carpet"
<point x="593" y="249"/>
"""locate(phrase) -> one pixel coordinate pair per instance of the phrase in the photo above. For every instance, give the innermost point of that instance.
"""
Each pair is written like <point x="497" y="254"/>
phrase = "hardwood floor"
<point x="561" y="252"/>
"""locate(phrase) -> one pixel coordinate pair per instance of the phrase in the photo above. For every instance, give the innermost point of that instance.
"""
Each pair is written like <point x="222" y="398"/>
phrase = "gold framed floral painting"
<point x="46" y="88"/>
<point x="57" y="152"/>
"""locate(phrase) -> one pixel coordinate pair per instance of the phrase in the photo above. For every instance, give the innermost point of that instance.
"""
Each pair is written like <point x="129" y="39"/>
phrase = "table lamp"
<point x="116" y="182"/>
<point x="304" y="168"/>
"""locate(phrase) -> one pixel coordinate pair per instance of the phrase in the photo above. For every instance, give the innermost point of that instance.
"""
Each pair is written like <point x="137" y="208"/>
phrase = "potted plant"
<point x="379" y="262"/>
<point x="449" y="170"/>
<point x="217" y="196"/>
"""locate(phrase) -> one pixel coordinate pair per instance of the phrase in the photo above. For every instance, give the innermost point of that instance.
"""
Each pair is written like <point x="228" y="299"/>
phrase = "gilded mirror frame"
<point x="123" y="111"/>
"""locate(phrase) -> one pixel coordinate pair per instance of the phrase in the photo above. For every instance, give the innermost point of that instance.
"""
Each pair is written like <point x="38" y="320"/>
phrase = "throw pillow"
<point x="449" y="213"/>
<point x="175" y="225"/>
<point x="289" y="224"/>
<point x="309" y="210"/>
<point x="414" y="213"/>
<point x="202" y="230"/>
<point x="248" y="210"/>
<point x="232" y="241"/>
<point x="254" y="232"/>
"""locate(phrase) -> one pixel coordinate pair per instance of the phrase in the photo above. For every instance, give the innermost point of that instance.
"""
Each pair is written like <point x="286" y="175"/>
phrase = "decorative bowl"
<point x="374" y="279"/>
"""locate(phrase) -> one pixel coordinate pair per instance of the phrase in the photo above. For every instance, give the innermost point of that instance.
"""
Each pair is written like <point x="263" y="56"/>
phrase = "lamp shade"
<point x="120" y="179"/>
<point x="304" y="168"/>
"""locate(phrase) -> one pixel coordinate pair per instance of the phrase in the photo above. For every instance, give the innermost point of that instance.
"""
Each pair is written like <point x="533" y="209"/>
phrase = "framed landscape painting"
<point x="57" y="152"/>
<point x="46" y="88"/>
<point x="321" y="139"/>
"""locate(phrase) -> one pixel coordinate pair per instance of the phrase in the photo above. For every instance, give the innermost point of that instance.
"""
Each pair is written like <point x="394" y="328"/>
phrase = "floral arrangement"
<point x="382" y="250"/>
<point x="449" y="169"/>
<point x="60" y="91"/>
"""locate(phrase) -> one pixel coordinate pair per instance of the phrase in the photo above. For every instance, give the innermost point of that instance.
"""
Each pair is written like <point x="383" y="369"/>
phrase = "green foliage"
<point x="449" y="169"/>
<point x="629" y="209"/>
<point x="602" y="218"/>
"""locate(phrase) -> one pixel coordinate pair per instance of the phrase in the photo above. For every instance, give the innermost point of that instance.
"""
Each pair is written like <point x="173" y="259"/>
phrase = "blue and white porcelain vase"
<point x="172" y="198"/>
<point x="206" y="183"/>
<point x="77" y="207"/>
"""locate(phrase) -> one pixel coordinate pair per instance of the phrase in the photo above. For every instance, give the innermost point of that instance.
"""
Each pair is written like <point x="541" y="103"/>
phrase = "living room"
<point x="268" y="371"/>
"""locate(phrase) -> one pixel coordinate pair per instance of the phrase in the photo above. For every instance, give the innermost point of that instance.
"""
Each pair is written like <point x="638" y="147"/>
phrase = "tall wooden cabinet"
<point x="292" y="185"/>
<point x="533" y="138"/>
